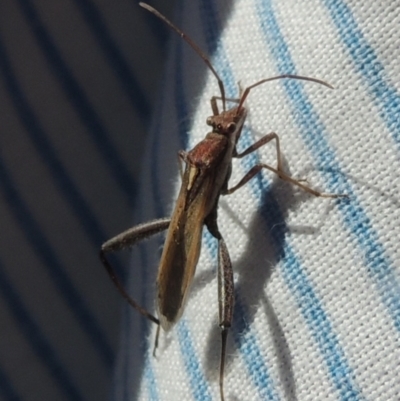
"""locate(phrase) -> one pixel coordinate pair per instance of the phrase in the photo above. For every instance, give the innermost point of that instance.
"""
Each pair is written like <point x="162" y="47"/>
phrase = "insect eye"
<point x="219" y="127"/>
<point x="231" y="127"/>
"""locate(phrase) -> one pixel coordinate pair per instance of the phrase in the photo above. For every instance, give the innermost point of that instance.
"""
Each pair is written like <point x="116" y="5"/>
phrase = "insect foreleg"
<point x="126" y="240"/>
<point x="261" y="142"/>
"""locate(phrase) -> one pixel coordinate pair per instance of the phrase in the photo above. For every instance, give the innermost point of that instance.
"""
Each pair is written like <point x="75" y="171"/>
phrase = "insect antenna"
<point x="192" y="45"/>
<point x="299" y="77"/>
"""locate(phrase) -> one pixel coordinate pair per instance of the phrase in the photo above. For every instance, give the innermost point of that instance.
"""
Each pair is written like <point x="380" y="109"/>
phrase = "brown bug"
<point x="205" y="179"/>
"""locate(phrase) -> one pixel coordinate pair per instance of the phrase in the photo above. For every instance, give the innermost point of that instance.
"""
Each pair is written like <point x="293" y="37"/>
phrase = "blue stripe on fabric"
<point x="80" y="103"/>
<point x="250" y="351"/>
<point x="355" y="218"/>
<point x="115" y="57"/>
<point x="367" y="64"/>
<point x="7" y="391"/>
<point x="152" y="387"/>
<point x="307" y="299"/>
<point x="308" y="302"/>
<point x="198" y="383"/>
<point x="341" y="363"/>
<point x="56" y="271"/>
<point x="34" y="336"/>
<point x="379" y="266"/>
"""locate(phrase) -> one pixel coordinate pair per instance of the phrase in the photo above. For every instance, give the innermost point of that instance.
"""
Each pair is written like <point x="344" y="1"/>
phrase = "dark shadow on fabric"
<point x="265" y="249"/>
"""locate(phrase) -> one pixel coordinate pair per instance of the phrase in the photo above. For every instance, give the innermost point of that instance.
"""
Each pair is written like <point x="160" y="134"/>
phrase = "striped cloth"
<point x="317" y="311"/>
<point x="77" y="84"/>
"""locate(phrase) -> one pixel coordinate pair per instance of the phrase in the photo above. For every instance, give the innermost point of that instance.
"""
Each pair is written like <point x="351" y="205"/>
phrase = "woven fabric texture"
<point x="317" y="286"/>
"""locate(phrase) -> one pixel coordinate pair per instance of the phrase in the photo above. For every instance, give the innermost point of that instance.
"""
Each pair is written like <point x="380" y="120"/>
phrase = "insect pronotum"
<point x="206" y="177"/>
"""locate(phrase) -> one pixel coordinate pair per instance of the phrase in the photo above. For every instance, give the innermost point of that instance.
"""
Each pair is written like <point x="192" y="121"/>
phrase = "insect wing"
<point x="181" y="253"/>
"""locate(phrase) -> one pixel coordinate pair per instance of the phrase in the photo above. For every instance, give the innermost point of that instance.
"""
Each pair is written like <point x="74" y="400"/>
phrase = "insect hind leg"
<point x="225" y="292"/>
<point x="126" y="240"/>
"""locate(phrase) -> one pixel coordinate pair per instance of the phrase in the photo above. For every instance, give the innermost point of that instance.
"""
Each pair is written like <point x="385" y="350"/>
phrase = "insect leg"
<point x="226" y="301"/>
<point x="258" y="167"/>
<point x="126" y="240"/>
<point x="261" y="142"/>
<point x="225" y="292"/>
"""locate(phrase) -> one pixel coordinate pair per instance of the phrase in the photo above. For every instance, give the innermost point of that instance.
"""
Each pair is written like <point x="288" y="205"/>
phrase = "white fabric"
<point x="317" y="315"/>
